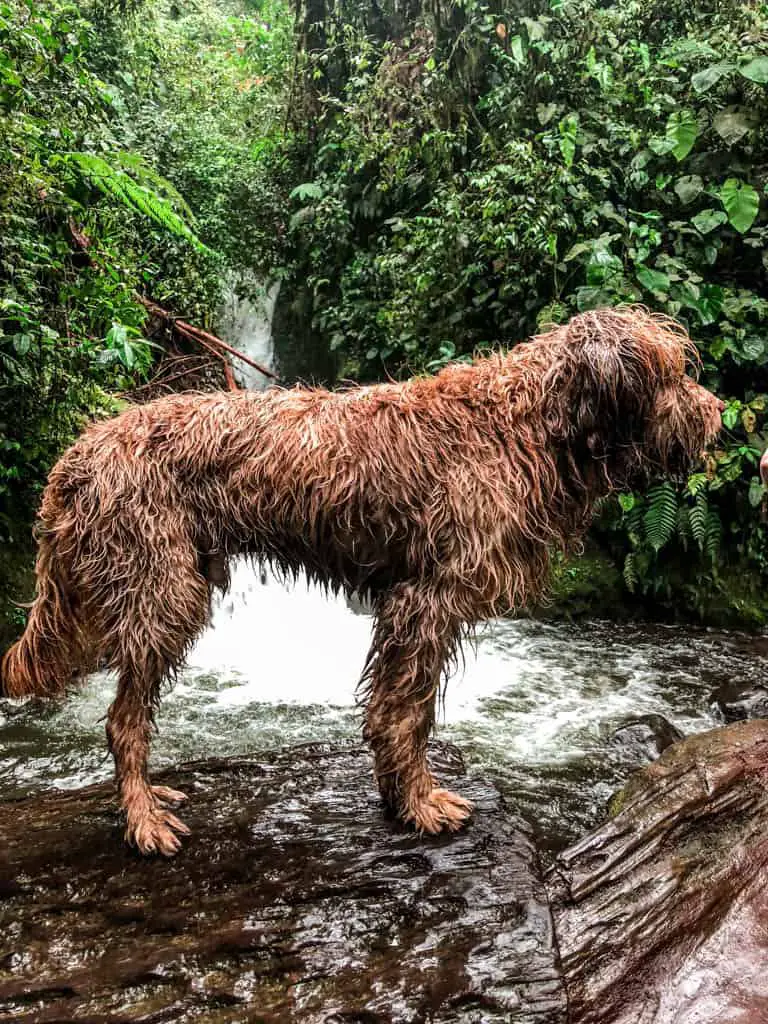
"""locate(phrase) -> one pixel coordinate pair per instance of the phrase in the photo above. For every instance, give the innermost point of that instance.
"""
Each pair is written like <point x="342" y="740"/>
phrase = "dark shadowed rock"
<point x="738" y="701"/>
<point x="641" y="740"/>
<point x="662" y="913"/>
<point x="294" y="900"/>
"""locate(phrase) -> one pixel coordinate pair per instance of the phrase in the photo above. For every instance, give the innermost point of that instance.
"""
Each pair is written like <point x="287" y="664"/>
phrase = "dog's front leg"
<point x="150" y="826"/>
<point x="415" y="635"/>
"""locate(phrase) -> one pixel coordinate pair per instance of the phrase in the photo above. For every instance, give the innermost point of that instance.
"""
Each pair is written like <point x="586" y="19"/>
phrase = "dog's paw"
<point x="440" y="811"/>
<point x="166" y="795"/>
<point x="156" y="830"/>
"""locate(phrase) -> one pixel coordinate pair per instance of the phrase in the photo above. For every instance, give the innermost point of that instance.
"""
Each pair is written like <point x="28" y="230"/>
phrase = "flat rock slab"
<point x="295" y="899"/>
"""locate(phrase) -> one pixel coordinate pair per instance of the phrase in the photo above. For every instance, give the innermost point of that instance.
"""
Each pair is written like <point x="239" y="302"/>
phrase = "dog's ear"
<point x="607" y="369"/>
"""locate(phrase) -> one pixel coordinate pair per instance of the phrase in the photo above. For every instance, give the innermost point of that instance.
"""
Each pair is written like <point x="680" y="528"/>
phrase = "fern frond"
<point x="137" y="191"/>
<point x="660" y="518"/>
<point x="684" y="526"/>
<point x="714" y="534"/>
<point x="146" y="175"/>
<point x="633" y="523"/>
<point x="698" y="517"/>
<point x="696" y="483"/>
<point x="630" y="573"/>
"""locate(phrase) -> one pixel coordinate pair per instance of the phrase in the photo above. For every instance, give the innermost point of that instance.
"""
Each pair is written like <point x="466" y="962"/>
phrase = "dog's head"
<point x="617" y="391"/>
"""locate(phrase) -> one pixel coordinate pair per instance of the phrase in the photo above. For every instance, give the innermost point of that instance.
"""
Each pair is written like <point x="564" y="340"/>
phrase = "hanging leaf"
<point x="703" y="81"/>
<point x="741" y="203"/>
<point x="681" y="133"/>
<point x="756" y="70"/>
<point x="699" y="516"/>
<point x="545" y="112"/>
<point x="517" y="50"/>
<point x="714" y="534"/>
<point x="630" y="573"/>
<point x="567" y="142"/>
<point x="684" y="526"/>
<point x="688" y="188"/>
<point x="707" y="300"/>
<point x="756" y="492"/>
<point x="748" y="420"/>
<point x="627" y="501"/>
<point x="733" y="123"/>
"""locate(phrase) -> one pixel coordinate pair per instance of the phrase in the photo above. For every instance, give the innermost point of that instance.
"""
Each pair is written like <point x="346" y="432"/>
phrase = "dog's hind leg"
<point x="158" y="620"/>
<point x="415" y="636"/>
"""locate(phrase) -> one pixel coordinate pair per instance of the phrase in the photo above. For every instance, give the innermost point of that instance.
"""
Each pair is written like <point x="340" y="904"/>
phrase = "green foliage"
<point x="427" y="180"/>
<point x="481" y="170"/>
<point x="660" y="517"/>
<point x="140" y="190"/>
<point x="128" y="164"/>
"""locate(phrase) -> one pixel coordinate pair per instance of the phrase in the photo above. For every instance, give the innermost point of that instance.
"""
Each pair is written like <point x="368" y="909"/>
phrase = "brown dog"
<point x="440" y="497"/>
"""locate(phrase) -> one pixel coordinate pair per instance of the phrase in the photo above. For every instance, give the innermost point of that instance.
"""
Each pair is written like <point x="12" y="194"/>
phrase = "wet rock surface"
<point x="295" y="899"/>
<point x="737" y="701"/>
<point x="642" y="739"/>
<point x="661" y="913"/>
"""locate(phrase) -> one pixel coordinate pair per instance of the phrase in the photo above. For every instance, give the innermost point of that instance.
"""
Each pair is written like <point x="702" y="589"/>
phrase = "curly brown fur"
<point x="441" y="497"/>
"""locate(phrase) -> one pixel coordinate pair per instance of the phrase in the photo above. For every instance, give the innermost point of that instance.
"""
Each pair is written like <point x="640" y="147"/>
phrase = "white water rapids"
<point x="533" y="706"/>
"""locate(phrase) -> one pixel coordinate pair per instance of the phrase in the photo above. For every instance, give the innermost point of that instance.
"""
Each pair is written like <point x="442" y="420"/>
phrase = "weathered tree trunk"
<point x="662" y="913"/>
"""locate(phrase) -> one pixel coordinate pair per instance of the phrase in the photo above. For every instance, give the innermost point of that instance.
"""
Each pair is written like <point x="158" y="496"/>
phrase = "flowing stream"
<point x="533" y="707"/>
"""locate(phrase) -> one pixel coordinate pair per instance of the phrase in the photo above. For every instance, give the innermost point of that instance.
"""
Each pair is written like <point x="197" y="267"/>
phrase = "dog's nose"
<point x="720" y="405"/>
<point x="764" y="467"/>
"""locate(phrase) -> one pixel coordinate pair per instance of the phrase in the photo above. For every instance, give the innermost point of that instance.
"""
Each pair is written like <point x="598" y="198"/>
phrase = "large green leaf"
<point x="703" y="81"/>
<point x="708" y="220"/>
<point x="741" y="203"/>
<point x="653" y="280"/>
<point x="688" y="187"/>
<point x="681" y="133"/>
<point x="706" y="299"/>
<point x="517" y="49"/>
<point x="733" y="123"/>
<point x="756" y="70"/>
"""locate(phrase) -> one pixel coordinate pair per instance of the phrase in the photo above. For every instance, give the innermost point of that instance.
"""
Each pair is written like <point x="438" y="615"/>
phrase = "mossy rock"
<point x="586" y="586"/>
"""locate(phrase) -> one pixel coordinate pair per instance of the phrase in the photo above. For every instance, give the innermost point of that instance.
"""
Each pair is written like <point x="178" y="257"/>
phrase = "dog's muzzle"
<point x="764" y="468"/>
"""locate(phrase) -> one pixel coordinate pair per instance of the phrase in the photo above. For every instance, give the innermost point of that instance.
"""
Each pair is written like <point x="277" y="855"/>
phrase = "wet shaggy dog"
<point x="441" y="497"/>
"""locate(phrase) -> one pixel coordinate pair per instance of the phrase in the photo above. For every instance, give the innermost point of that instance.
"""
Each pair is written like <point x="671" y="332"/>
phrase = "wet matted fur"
<point x="441" y="497"/>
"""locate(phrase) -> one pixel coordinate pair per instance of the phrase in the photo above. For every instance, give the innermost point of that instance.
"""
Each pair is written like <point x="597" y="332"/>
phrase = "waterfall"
<point x="245" y="322"/>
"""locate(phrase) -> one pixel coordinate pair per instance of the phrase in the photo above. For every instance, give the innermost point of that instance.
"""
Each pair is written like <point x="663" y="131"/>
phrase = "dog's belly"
<point x="359" y="548"/>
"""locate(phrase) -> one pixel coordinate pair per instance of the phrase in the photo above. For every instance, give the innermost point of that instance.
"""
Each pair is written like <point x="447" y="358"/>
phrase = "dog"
<point x="441" y="498"/>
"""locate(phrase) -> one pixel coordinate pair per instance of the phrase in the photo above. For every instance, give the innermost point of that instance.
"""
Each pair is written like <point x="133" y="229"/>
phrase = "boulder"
<point x="661" y="914"/>
<point x="738" y="701"/>
<point x="642" y="739"/>
<point x="295" y="899"/>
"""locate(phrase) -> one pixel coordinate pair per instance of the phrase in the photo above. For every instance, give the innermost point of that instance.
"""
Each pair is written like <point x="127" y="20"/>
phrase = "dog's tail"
<point x="49" y="653"/>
